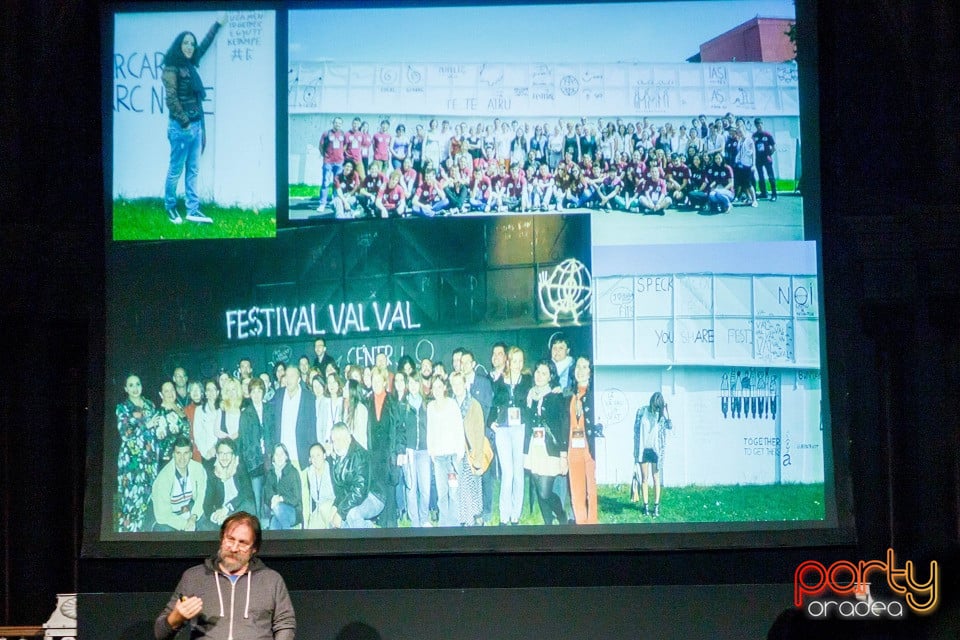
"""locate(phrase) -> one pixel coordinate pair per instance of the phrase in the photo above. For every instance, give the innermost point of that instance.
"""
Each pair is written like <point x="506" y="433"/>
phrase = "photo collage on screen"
<point x="603" y="246"/>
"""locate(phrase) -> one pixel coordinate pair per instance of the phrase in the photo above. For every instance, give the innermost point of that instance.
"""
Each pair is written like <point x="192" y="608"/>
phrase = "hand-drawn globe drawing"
<point x="566" y="290"/>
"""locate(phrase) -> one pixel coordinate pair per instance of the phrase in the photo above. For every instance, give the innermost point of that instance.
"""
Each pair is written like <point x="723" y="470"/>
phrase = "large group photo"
<point x="458" y="439"/>
<point x="242" y="380"/>
<point x="684" y="148"/>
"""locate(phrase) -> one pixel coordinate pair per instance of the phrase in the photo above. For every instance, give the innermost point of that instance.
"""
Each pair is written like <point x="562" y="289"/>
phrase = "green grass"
<point x="726" y="503"/>
<point x="785" y="186"/>
<point x="301" y="190"/>
<point x="145" y="219"/>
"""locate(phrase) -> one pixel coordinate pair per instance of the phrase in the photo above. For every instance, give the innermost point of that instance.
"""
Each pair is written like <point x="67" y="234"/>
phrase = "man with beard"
<point x="232" y="594"/>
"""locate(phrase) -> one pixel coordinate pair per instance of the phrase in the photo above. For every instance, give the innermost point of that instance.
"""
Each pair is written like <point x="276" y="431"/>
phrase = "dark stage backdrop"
<point x="693" y="612"/>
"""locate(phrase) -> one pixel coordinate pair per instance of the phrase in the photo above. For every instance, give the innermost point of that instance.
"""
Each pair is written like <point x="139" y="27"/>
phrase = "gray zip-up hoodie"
<point x="256" y="606"/>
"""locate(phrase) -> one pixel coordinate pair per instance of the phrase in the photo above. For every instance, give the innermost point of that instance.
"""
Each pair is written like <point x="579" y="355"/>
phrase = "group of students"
<point x="315" y="447"/>
<point x="513" y="167"/>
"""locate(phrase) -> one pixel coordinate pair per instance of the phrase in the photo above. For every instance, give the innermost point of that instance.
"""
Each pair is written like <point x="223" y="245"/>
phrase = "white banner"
<point x="544" y="89"/>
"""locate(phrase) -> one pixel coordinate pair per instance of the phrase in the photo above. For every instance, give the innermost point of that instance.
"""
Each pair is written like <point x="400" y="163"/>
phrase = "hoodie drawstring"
<point x="246" y="608"/>
<point x="233" y="591"/>
<point x="216" y="578"/>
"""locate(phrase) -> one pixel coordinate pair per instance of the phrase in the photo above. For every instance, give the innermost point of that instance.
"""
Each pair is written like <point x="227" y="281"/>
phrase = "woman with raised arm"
<point x="185" y="93"/>
<point x="649" y="430"/>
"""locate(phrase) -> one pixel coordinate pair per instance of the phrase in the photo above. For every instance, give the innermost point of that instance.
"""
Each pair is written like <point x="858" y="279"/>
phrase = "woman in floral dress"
<point x="137" y="458"/>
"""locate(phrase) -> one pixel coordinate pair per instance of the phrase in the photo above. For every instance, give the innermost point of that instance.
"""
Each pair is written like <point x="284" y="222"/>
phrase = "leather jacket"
<point x="350" y="474"/>
<point x="184" y="103"/>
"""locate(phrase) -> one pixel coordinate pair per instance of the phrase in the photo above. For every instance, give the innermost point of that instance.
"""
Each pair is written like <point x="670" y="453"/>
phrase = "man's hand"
<point x="185" y="609"/>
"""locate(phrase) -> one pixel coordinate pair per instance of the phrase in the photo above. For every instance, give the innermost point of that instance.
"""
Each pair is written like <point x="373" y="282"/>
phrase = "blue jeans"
<point x="416" y="477"/>
<point x="510" y="453"/>
<point x="448" y="497"/>
<point x="282" y="516"/>
<point x="184" y="154"/>
<point x="720" y="199"/>
<point x="766" y="167"/>
<point x="330" y="171"/>
<point x="362" y="515"/>
<point x="257" y="483"/>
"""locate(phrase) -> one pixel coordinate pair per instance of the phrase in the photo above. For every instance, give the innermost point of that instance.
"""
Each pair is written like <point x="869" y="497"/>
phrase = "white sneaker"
<point x="174" y="216"/>
<point x="196" y="216"/>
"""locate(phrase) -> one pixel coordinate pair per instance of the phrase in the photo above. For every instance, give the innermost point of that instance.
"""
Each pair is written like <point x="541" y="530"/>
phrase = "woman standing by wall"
<point x="648" y="443"/>
<point x="185" y="93"/>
